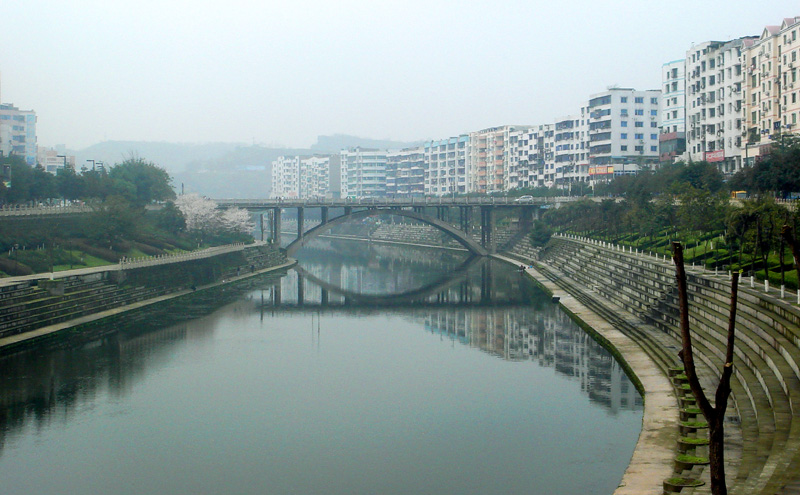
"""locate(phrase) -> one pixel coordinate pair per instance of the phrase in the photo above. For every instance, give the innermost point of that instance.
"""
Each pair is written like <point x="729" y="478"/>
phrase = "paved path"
<point x="652" y="460"/>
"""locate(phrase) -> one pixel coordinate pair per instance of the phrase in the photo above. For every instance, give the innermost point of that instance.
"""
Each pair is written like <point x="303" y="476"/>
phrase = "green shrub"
<point x="14" y="268"/>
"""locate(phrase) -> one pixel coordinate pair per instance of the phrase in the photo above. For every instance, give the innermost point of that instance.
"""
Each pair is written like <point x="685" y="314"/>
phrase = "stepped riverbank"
<point x="36" y="307"/>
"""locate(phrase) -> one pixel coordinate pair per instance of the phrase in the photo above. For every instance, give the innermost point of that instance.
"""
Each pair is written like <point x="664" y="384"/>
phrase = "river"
<point x="368" y="370"/>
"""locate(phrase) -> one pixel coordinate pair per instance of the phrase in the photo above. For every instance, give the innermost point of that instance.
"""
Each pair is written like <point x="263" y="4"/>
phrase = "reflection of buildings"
<point x="545" y="335"/>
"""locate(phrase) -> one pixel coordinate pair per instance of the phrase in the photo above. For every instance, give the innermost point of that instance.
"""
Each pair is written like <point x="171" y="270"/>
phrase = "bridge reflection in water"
<point x="481" y="304"/>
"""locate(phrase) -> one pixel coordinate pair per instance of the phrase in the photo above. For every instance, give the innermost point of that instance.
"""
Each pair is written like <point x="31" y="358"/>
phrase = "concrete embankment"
<point x="636" y="294"/>
<point x="38" y="307"/>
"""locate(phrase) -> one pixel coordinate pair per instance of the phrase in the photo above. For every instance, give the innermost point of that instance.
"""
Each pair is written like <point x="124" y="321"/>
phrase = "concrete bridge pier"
<point x="465" y="217"/>
<point x="276" y="225"/>
<point x="323" y="214"/>
<point x="487" y="228"/>
<point x="300" y="222"/>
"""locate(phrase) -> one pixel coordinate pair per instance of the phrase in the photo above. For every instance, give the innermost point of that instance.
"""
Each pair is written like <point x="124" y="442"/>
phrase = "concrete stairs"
<point x="639" y="295"/>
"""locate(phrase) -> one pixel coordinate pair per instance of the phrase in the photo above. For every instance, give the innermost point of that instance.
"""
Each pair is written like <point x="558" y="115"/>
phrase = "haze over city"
<point x="279" y="74"/>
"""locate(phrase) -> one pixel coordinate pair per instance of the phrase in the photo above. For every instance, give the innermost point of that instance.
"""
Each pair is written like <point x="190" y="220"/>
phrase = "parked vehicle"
<point x="524" y="199"/>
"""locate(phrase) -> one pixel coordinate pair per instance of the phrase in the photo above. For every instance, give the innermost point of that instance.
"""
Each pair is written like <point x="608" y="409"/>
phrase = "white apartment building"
<point x="363" y="173"/>
<point x="531" y="160"/>
<point x="405" y="172"/>
<point x="446" y="166"/>
<point x="771" y="86"/>
<point x="672" y="111"/>
<point x="623" y="132"/>
<point x="286" y="177"/>
<point x="571" y="152"/>
<point x="314" y="177"/>
<point x="488" y="159"/>
<point x="714" y="107"/>
<point x="302" y="176"/>
<point x="18" y="133"/>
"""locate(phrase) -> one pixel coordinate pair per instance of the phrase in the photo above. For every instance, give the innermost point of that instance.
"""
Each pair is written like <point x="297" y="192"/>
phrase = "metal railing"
<point x="126" y="263"/>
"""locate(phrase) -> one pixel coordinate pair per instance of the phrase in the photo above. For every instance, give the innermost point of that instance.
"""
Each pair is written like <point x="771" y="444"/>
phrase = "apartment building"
<point x="571" y="152"/>
<point x="405" y="172"/>
<point x="315" y="173"/>
<point x="18" y="132"/>
<point x="488" y="159"/>
<point x="771" y="86"/>
<point x="623" y="132"/>
<point x="714" y="106"/>
<point x="363" y="172"/>
<point x="54" y="159"/>
<point x="531" y="157"/>
<point x="672" y="111"/>
<point x="446" y="165"/>
<point x="286" y="177"/>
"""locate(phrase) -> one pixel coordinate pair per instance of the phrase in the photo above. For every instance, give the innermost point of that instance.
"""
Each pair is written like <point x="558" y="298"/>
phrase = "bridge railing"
<point x="23" y="210"/>
<point x="126" y="263"/>
<point x="414" y="201"/>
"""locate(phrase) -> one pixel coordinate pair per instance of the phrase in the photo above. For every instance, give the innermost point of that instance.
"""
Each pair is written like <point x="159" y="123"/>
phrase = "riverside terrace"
<point x="415" y="208"/>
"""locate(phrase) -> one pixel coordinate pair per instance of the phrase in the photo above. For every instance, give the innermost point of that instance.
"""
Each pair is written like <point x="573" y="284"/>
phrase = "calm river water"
<point x="383" y="371"/>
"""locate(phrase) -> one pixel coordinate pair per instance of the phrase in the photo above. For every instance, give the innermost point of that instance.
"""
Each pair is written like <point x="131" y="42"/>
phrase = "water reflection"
<point x="226" y="368"/>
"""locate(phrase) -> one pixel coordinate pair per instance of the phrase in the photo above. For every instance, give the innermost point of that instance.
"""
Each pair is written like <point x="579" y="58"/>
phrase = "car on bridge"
<point x="524" y="199"/>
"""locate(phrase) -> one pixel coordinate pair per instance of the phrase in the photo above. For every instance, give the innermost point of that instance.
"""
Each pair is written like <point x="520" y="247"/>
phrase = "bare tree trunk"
<point x="715" y="416"/>
<point x="787" y="234"/>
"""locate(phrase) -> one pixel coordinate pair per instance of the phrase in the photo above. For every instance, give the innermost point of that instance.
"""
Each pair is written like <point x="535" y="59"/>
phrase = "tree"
<point x="236" y="220"/>
<point x="171" y="219"/>
<point x="200" y="213"/>
<point x="141" y="182"/>
<point x="715" y="415"/>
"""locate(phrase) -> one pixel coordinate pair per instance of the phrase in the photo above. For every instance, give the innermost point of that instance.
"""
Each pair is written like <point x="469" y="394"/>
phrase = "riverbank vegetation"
<point x="122" y="223"/>
<point x="691" y="204"/>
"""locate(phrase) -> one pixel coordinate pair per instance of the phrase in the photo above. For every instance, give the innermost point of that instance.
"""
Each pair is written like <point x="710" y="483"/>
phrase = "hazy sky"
<point x="280" y="73"/>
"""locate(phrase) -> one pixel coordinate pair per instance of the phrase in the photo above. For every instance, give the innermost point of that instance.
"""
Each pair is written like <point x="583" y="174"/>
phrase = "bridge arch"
<point x="462" y="238"/>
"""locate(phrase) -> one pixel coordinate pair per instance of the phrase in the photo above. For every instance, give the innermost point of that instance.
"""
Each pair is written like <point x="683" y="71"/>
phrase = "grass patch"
<point x="691" y="459"/>
<point x="687" y="482"/>
<point x="694" y="441"/>
<point x="695" y="424"/>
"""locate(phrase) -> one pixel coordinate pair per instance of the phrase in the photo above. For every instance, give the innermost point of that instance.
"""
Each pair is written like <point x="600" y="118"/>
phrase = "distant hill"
<point x="337" y="142"/>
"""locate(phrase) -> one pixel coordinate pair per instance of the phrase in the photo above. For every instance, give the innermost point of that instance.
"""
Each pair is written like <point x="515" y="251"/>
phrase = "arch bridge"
<point x="436" y="212"/>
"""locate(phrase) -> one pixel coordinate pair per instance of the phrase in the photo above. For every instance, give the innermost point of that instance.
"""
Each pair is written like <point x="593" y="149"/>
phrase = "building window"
<point x="655" y="124"/>
<point x="654" y="136"/>
<point x="638" y="99"/>
<point x="654" y="101"/>
<point x="639" y="148"/>
<point x="639" y="136"/>
<point x="624" y="135"/>
<point x="638" y="111"/>
<point x="623" y="99"/>
<point x="639" y="124"/>
<point x="653" y="112"/>
<point x="654" y="148"/>
<point x="624" y="147"/>
<point x="623" y="123"/>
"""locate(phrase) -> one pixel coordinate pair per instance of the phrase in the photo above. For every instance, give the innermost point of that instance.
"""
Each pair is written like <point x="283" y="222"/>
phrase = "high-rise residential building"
<point x="303" y="176"/>
<point x="405" y="172"/>
<point x="488" y="159"/>
<point x="623" y="131"/>
<point x="315" y="173"/>
<point x="672" y="111"/>
<point x="531" y="157"/>
<point x="446" y="165"/>
<point x="18" y="132"/>
<point x="363" y="172"/>
<point x="571" y="154"/>
<point x="286" y="177"/>
<point x="771" y="86"/>
<point x="714" y="109"/>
